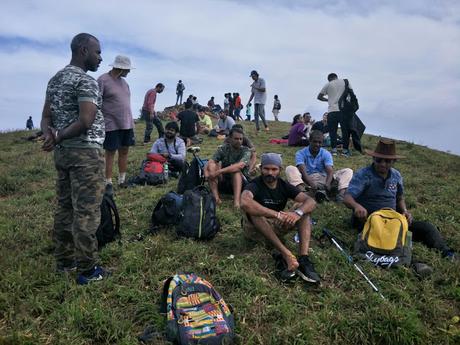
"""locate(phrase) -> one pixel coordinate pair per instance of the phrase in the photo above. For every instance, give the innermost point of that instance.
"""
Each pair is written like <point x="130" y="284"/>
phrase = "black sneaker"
<point x="282" y="273"/>
<point x="306" y="271"/>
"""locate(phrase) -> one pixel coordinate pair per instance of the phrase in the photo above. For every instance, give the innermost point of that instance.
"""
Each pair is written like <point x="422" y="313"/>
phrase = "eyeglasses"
<point x="386" y="160"/>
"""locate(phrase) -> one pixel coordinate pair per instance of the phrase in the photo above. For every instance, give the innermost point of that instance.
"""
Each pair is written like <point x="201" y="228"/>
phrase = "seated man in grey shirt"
<point x="171" y="147"/>
<point x="225" y="123"/>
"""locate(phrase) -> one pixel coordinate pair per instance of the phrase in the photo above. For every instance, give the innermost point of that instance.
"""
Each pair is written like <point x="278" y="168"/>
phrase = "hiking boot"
<point x="334" y="152"/>
<point x="422" y="270"/>
<point x="94" y="274"/>
<point x="306" y="271"/>
<point x="282" y="273"/>
<point x="66" y="267"/>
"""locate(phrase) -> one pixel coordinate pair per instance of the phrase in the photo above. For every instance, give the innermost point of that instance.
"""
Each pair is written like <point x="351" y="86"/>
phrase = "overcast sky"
<point x="401" y="57"/>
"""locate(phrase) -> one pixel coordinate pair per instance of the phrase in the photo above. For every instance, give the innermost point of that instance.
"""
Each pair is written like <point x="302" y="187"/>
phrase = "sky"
<point x="401" y="57"/>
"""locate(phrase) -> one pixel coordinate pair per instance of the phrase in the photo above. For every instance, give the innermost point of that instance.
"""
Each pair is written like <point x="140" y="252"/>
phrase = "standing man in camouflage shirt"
<point x="73" y="126"/>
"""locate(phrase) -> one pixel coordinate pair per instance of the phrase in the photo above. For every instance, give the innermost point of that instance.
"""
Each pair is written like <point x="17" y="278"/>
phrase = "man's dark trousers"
<point x="334" y="118"/>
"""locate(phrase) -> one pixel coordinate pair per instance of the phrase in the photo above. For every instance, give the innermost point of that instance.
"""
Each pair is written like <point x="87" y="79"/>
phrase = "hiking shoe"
<point x="94" y="274"/>
<point x="450" y="255"/>
<point x="422" y="270"/>
<point x="339" y="199"/>
<point x="66" y="267"/>
<point x="267" y="129"/>
<point x="123" y="184"/>
<point x="346" y="153"/>
<point x="306" y="271"/>
<point x="282" y="273"/>
<point x="321" y="196"/>
<point x="334" y="152"/>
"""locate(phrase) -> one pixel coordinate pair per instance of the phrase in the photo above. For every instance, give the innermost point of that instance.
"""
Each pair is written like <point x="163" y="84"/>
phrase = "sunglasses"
<point x="386" y="160"/>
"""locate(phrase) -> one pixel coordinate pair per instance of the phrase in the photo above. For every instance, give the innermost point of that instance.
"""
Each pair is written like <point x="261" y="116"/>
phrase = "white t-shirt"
<point x="334" y="89"/>
<point x="259" y="96"/>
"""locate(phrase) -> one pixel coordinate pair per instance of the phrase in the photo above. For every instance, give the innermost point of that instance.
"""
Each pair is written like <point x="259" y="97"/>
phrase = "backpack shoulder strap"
<point x="114" y="209"/>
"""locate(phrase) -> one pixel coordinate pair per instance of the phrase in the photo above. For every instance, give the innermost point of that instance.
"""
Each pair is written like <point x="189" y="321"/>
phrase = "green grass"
<point x="37" y="306"/>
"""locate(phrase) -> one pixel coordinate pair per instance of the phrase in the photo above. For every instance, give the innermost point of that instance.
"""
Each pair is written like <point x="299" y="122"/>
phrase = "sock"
<point x="108" y="181"/>
<point x="121" y="177"/>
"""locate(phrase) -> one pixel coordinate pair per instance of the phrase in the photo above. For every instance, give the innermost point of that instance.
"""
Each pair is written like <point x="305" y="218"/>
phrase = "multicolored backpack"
<point x="195" y="312"/>
<point x="385" y="240"/>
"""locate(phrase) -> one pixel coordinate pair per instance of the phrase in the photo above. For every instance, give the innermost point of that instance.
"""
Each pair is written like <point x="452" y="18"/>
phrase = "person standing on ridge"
<point x="259" y="94"/>
<point x="276" y="107"/>
<point x="179" y="92"/>
<point x="148" y="112"/>
<point x="334" y="90"/>
<point x="30" y="123"/>
<point x="73" y="126"/>
<point x="118" y="118"/>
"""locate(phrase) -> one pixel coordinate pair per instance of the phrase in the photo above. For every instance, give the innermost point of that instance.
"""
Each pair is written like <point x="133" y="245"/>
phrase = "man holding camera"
<point x="314" y="170"/>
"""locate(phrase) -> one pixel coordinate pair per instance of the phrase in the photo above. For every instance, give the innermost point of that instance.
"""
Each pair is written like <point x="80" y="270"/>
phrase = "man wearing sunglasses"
<point x="380" y="185"/>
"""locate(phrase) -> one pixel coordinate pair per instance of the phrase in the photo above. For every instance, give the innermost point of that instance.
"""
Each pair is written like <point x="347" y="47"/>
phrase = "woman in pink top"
<point x="296" y="134"/>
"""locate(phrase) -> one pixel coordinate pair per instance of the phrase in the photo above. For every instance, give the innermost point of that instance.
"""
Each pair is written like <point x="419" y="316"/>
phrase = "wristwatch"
<point x="299" y="212"/>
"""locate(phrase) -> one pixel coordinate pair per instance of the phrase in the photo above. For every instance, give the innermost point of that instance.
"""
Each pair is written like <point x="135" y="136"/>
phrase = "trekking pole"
<point x="333" y="239"/>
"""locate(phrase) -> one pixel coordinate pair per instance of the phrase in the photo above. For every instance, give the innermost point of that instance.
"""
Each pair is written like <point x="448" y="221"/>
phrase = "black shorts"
<point x="119" y="138"/>
<point x="225" y="185"/>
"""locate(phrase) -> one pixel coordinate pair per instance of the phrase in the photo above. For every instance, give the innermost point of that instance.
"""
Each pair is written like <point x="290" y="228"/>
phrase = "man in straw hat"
<point x="263" y="202"/>
<point x="380" y="185"/>
<point x="119" y="123"/>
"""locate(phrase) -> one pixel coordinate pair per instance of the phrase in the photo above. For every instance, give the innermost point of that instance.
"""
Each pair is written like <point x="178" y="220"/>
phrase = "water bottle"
<point x="166" y="171"/>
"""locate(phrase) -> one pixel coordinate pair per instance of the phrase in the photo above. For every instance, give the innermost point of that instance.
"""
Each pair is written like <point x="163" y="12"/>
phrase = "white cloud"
<point x="402" y="60"/>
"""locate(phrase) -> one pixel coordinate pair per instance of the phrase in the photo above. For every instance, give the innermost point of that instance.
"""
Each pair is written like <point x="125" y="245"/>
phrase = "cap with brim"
<point x="253" y="72"/>
<point x="122" y="62"/>
<point x="386" y="148"/>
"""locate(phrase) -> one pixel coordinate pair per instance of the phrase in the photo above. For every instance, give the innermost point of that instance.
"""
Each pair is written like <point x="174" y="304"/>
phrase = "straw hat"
<point x="386" y="148"/>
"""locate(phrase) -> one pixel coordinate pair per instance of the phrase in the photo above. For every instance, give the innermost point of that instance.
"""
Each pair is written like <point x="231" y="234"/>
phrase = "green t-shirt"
<point x="227" y="156"/>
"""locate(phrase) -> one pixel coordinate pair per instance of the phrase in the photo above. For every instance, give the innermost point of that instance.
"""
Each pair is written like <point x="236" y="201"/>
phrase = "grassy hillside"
<point x="38" y="306"/>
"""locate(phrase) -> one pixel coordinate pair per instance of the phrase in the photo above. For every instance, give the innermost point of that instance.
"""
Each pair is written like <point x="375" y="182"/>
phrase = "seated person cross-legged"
<point x="380" y="185"/>
<point x="315" y="170"/>
<point x="263" y="202"/>
<point x="227" y="171"/>
<point x="171" y="147"/>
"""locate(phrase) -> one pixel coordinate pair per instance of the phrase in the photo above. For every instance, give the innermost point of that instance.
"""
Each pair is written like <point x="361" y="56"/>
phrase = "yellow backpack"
<point x="385" y="240"/>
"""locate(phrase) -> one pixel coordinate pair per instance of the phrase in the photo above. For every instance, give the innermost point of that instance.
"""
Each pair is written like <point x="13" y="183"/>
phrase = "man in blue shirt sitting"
<point x="314" y="170"/>
<point x="171" y="147"/>
<point x="380" y="185"/>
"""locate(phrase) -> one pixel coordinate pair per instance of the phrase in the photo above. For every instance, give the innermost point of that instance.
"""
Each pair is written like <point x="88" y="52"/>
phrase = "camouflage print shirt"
<point x="65" y="91"/>
<point x="227" y="155"/>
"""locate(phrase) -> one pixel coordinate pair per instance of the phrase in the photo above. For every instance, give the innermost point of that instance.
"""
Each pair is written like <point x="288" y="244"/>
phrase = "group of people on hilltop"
<point x="81" y="116"/>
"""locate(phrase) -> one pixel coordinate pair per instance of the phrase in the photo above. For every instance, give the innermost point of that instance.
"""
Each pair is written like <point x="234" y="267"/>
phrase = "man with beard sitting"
<point x="263" y="202"/>
<point x="171" y="147"/>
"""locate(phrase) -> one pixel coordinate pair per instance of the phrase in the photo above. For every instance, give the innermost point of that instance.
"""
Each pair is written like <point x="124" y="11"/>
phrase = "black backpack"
<point x="109" y="228"/>
<point x="168" y="211"/>
<point x="348" y="103"/>
<point x="192" y="175"/>
<point x="199" y="214"/>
